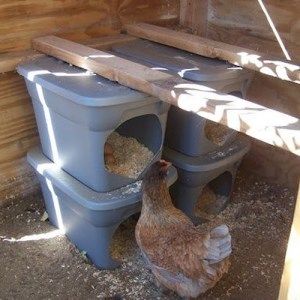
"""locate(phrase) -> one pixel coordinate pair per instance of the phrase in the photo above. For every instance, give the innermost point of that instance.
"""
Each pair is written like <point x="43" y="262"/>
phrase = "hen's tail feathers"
<point x="219" y="244"/>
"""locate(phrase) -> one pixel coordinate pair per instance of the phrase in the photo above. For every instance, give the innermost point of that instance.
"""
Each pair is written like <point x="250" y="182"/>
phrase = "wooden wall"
<point x="244" y="23"/>
<point x="20" y="21"/>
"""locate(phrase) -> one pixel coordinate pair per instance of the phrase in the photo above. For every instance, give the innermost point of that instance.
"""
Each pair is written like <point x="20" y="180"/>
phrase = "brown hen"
<point x="183" y="258"/>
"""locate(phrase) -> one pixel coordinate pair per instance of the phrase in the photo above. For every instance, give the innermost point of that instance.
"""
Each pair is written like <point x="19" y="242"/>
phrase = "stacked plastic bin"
<point x="205" y="153"/>
<point x="76" y="111"/>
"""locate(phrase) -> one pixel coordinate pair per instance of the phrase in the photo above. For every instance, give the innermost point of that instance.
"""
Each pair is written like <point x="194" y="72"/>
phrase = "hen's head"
<point x="157" y="171"/>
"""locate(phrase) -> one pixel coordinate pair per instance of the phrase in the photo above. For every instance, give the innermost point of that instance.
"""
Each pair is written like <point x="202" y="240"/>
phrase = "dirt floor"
<point x="259" y="217"/>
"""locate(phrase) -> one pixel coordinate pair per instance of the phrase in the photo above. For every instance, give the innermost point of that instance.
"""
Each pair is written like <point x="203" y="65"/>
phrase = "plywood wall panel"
<point x="275" y="165"/>
<point x="18" y="133"/>
<point x="193" y="15"/>
<point x="20" y="21"/>
<point x="244" y="23"/>
<point x="155" y="11"/>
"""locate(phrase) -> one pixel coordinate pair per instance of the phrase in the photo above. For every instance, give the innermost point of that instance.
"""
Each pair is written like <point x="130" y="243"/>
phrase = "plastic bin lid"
<point x="76" y="84"/>
<point x="188" y="65"/>
<point x="82" y="194"/>
<point x="216" y="159"/>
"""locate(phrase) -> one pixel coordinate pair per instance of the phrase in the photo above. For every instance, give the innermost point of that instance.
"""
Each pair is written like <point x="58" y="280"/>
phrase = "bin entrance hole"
<point x="215" y="195"/>
<point x="132" y="146"/>
<point x="120" y="246"/>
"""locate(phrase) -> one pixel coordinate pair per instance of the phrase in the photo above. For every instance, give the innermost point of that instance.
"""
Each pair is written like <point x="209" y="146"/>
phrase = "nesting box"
<point x="88" y="218"/>
<point x="76" y="111"/>
<point x="216" y="170"/>
<point x="187" y="132"/>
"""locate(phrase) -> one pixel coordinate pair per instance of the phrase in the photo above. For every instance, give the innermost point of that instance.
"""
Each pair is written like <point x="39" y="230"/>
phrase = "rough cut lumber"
<point x="290" y="288"/>
<point x="9" y="61"/>
<point x="239" y="56"/>
<point x="254" y="120"/>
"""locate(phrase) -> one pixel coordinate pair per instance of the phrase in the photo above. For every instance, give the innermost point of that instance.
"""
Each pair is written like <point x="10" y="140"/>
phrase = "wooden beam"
<point x="9" y="61"/>
<point x="290" y="288"/>
<point x="283" y="69"/>
<point x="254" y="120"/>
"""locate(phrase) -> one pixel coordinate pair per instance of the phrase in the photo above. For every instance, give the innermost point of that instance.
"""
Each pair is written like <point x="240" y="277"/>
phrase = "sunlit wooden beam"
<point x="9" y="61"/>
<point x="263" y="63"/>
<point x="252" y="119"/>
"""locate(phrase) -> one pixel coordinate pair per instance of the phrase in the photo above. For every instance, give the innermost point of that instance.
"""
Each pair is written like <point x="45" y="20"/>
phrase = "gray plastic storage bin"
<point x="186" y="132"/>
<point x="77" y="110"/>
<point x="217" y="169"/>
<point x="88" y="218"/>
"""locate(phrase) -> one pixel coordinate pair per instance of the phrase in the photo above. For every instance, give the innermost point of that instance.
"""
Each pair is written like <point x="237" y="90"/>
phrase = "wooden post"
<point x="290" y="281"/>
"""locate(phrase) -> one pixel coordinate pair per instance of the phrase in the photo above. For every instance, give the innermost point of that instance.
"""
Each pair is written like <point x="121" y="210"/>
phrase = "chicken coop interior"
<point x="149" y="149"/>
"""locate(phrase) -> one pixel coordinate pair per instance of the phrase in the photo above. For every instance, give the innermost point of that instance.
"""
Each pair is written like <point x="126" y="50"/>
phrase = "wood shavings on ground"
<point x="259" y="216"/>
<point x="130" y="156"/>
<point x="217" y="133"/>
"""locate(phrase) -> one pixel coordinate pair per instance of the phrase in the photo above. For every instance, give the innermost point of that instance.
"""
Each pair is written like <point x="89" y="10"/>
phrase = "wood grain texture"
<point x="9" y="62"/>
<point x="259" y="122"/>
<point x="243" y="23"/>
<point x="193" y="15"/>
<point x="282" y="95"/>
<point x="244" y="57"/>
<point x="21" y="21"/>
<point x="275" y="165"/>
<point x="18" y="133"/>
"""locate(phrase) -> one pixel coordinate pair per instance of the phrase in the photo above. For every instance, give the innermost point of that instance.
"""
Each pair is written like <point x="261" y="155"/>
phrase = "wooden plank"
<point x="9" y="61"/>
<point x="193" y="15"/>
<point x="254" y="120"/>
<point x="239" y="56"/>
<point x="290" y="288"/>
